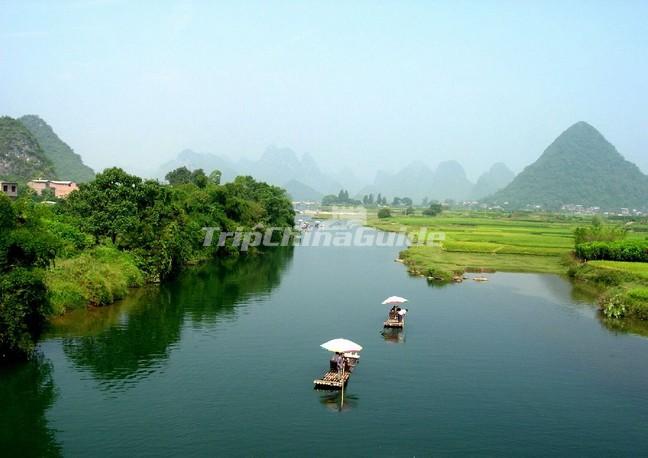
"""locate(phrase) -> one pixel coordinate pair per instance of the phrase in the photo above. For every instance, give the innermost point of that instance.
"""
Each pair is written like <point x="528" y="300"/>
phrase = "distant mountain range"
<point x="301" y="176"/>
<point x="193" y="160"/>
<point x="448" y="181"/>
<point x="299" y="191"/>
<point x="579" y="167"/>
<point x="496" y="178"/>
<point x="30" y="149"/>
<point x="304" y="180"/>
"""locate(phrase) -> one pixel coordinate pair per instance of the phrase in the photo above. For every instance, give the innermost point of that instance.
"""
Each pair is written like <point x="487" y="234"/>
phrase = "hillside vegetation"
<point x="67" y="164"/>
<point x="21" y="157"/>
<point x="579" y="167"/>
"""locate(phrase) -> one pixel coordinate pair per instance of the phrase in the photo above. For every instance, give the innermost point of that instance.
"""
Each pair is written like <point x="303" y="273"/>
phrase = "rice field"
<point x="477" y="241"/>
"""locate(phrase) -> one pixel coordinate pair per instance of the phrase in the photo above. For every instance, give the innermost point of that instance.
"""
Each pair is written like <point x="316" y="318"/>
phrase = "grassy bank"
<point x="624" y="286"/>
<point x="99" y="276"/>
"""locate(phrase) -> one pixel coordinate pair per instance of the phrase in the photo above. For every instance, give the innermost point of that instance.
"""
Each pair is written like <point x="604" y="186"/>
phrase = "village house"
<point x="61" y="188"/>
<point x="9" y="188"/>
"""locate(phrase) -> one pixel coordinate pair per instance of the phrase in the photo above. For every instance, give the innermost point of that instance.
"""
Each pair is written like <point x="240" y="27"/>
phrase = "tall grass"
<point x="96" y="277"/>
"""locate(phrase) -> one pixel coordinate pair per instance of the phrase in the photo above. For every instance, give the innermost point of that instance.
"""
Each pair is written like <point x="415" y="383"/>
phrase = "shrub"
<point x="632" y="303"/>
<point x="612" y="306"/>
<point x="384" y="213"/>
<point x="623" y="250"/>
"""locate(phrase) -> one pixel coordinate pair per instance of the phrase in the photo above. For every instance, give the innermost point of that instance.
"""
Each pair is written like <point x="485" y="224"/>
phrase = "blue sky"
<point x="370" y="85"/>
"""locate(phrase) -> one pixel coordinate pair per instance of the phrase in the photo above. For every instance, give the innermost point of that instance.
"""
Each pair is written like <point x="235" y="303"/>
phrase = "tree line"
<point x="431" y="208"/>
<point x="116" y="231"/>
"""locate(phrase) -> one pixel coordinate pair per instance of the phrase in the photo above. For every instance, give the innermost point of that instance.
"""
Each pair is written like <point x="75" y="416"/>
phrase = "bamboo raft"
<point x="332" y="381"/>
<point x="394" y="323"/>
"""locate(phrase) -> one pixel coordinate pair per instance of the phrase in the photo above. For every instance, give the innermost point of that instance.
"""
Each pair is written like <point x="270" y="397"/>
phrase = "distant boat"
<point x="396" y="316"/>
<point x="480" y="278"/>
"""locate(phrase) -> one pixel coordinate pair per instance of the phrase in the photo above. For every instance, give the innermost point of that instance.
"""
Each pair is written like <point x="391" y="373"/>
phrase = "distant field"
<point x="476" y="241"/>
<point x="639" y="269"/>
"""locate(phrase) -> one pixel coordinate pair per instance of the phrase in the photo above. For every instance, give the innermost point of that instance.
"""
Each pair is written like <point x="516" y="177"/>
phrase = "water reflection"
<point x="136" y="345"/>
<point x="127" y="342"/>
<point x="625" y="326"/>
<point x="27" y="391"/>
<point x="586" y="293"/>
<point x="393" y="335"/>
<point x="333" y="401"/>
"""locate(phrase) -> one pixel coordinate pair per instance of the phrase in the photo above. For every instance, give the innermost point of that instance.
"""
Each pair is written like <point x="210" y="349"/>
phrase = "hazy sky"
<point x="365" y="84"/>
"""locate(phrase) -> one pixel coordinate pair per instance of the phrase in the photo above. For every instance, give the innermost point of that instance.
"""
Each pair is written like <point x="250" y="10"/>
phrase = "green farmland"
<point x="478" y="241"/>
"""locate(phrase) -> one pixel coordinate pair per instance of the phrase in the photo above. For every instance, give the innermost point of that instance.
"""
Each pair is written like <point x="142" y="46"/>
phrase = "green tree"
<point x="433" y="210"/>
<point x="330" y="199"/>
<point x="23" y="311"/>
<point x="136" y="216"/>
<point x="215" y="177"/>
<point x="25" y="245"/>
<point x="384" y="213"/>
<point x="598" y="232"/>
<point x="199" y="178"/>
<point x="181" y="175"/>
<point x="107" y="206"/>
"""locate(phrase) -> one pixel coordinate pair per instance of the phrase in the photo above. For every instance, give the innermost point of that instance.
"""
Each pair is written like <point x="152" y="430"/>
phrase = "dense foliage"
<point x="384" y="213"/>
<point x="67" y="164"/>
<point x="404" y="201"/>
<point x="369" y="200"/>
<point x="183" y="175"/>
<point x="116" y="232"/>
<point x="26" y="247"/>
<point x="598" y="232"/>
<point x="137" y="216"/>
<point x="621" y="250"/>
<point x="341" y="199"/>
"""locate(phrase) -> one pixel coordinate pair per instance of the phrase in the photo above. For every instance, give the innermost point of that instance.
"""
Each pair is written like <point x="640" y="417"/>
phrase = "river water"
<point x="221" y="362"/>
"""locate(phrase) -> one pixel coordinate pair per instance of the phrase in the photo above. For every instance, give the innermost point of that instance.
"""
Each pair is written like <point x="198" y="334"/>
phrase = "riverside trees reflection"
<point x="139" y="334"/>
<point x="27" y="392"/>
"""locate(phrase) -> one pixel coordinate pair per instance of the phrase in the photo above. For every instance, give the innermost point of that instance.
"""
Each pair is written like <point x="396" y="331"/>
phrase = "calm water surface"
<point x="221" y="362"/>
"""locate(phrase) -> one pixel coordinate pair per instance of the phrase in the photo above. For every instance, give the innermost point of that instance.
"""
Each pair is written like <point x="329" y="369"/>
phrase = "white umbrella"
<point x="341" y="346"/>
<point x="395" y="300"/>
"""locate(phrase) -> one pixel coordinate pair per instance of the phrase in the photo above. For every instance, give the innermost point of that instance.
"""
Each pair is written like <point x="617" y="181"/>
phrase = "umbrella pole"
<point x="342" y="401"/>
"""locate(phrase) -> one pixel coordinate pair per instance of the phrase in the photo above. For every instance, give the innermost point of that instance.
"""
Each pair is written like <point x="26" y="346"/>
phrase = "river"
<point x="221" y="362"/>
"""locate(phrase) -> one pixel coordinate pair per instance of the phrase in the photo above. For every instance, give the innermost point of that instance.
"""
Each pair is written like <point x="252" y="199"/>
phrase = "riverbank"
<point x="623" y="285"/>
<point x="477" y="242"/>
<point x="115" y="233"/>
